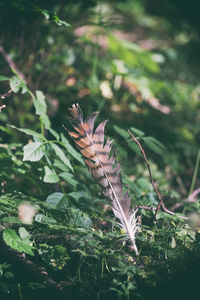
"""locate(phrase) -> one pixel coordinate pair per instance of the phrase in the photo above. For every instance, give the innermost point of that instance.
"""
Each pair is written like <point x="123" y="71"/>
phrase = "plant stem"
<point x="195" y="173"/>
<point x="20" y="292"/>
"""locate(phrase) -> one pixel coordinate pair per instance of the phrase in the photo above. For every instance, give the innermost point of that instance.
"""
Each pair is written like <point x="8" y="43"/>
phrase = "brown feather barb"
<point x="101" y="165"/>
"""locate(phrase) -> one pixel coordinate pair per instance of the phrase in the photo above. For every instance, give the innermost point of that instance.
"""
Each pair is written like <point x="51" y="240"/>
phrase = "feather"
<point x="103" y="167"/>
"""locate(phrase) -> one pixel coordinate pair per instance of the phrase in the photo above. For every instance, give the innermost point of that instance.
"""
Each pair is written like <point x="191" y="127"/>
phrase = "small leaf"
<point x="58" y="164"/>
<point x="134" y="147"/>
<point x="41" y="108"/>
<point x="4" y="78"/>
<point x="33" y="151"/>
<point x="61" y="155"/>
<point x="80" y="219"/>
<point x="154" y="145"/>
<point x="13" y="240"/>
<point x="68" y="177"/>
<point x="54" y="199"/>
<point x="77" y="195"/>
<point x="60" y="22"/>
<point x="71" y="150"/>
<point x="137" y="132"/>
<point x="45" y="13"/>
<point x="28" y="131"/>
<point x="58" y="201"/>
<point x="121" y="132"/>
<point x="40" y="218"/>
<point x="40" y="104"/>
<point x="11" y="220"/>
<point x="54" y="133"/>
<point x="46" y="121"/>
<point x="24" y="234"/>
<point x="50" y="176"/>
<point x="15" y="84"/>
<point x="172" y="243"/>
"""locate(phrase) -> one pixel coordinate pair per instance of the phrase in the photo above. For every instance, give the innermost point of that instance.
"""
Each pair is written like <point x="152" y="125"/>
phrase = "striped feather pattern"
<point x="97" y="156"/>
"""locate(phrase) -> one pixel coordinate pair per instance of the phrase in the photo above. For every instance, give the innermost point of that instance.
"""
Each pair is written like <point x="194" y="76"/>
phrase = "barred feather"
<point x="101" y="165"/>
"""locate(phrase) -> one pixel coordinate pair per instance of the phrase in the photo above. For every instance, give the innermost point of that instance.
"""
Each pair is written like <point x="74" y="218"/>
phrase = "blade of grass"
<point x="195" y="173"/>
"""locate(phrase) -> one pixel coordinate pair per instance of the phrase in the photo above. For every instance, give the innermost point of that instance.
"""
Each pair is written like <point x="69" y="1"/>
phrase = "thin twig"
<point x="11" y="63"/>
<point x="160" y="204"/>
<point x="192" y="198"/>
<point x="8" y="93"/>
<point x="149" y="169"/>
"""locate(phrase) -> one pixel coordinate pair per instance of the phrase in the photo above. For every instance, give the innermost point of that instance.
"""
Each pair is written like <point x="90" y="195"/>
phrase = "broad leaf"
<point x="13" y="240"/>
<point x="33" y="151"/>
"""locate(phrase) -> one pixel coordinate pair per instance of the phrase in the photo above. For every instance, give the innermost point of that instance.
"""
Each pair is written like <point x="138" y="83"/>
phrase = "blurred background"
<point x="135" y="61"/>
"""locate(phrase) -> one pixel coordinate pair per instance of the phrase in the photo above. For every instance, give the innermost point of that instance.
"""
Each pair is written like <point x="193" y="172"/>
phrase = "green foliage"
<point x="20" y="243"/>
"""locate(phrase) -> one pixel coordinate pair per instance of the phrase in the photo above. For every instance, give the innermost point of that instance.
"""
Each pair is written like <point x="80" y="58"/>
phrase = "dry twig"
<point x="160" y="203"/>
<point x="11" y="63"/>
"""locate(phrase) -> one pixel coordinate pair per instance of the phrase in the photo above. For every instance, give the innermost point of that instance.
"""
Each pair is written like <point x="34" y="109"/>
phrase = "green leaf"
<point x="54" y="133"/>
<point x="71" y="150"/>
<point x="3" y="78"/>
<point x="13" y="240"/>
<point x="40" y="104"/>
<point x="68" y="177"/>
<point x="121" y="132"/>
<point x="80" y="219"/>
<point x="50" y="176"/>
<point x="46" y="121"/>
<point x="58" y="201"/>
<point x="77" y="195"/>
<point x="24" y="234"/>
<point x="155" y="141"/>
<point x="61" y="155"/>
<point x="54" y="199"/>
<point x="40" y="218"/>
<point x="137" y="132"/>
<point x="144" y="184"/>
<point x="45" y="13"/>
<point x="33" y="151"/>
<point x="60" y="22"/>
<point x="58" y="164"/>
<point x="41" y="108"/>
<point x="154" y="145"/>
<point x="11" y="220"/>
<point x="133" y="146"/>
<point x="17" y="83"/>
<point x="28" y="131"/>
